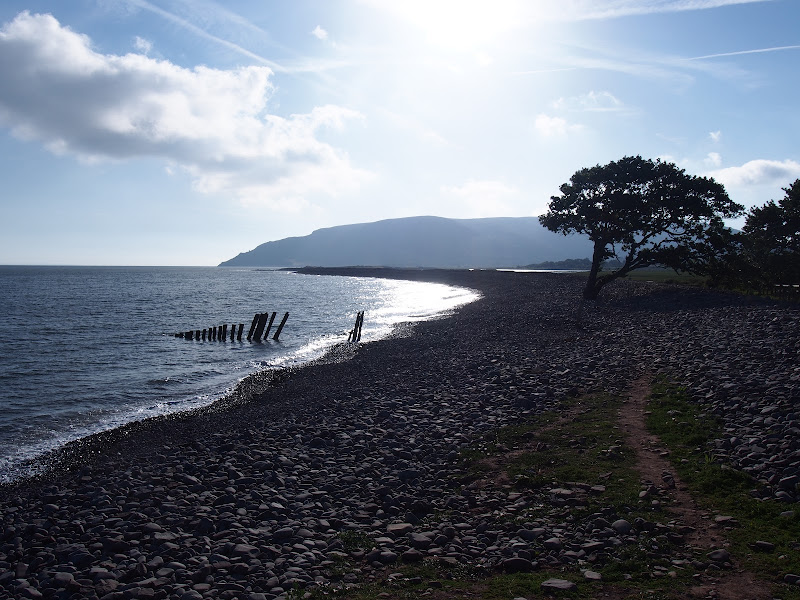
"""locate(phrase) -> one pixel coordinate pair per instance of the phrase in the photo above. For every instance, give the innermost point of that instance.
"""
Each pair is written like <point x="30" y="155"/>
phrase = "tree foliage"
<point x="770" y="242"/>
<point x="644" y="213"/>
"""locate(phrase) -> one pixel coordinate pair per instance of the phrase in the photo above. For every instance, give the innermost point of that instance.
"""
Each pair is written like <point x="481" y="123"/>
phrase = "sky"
<point x="182" y="132"/>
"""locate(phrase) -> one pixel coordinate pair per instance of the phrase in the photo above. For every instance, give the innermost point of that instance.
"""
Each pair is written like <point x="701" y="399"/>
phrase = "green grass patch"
<point x="666" y="276"/>
<point x="581" y="444"/>
<point x="353" y="541"/>
<point x="688" y="432"/>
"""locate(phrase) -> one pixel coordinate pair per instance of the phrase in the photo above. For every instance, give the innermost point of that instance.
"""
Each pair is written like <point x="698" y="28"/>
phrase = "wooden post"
<point x="355" y="334"/>
<point x="188" y="335"/>
<point x="280" y="327"/>
<point x="204" y="335"/>
<point x="179" y="335"/>
<point x="269" y="325"/>
<point x="239" y="335"/>
<point x="197" y="335"/>
<point x="252" y="327"/>
<point x="262" y="320"/>
<point x="233" y="331"/>
<point x="224" y="335"/>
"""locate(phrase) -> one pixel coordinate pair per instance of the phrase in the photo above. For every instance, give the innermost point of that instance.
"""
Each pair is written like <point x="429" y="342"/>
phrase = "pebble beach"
<point x="261" y="496"/>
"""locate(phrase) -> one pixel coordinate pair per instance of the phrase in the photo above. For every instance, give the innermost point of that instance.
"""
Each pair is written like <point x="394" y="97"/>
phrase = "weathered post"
<point x="269" y="325"/>
<point x="252" y="327"/>
<point x="280" y="327"/>
<point x="355" y="333"/>
<point x="239" y="335"/>
<point x="262" y="320"/>
<point x="233" y="331"/>
<point x="197" y="335"/>
<point x="224" y="335"/>
<point x="188" y="335"/>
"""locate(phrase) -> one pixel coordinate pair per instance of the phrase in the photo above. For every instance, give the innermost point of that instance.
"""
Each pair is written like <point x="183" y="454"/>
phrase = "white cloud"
<point x="57" y="90"/>
<point x="320" y="33"/>
<point x="715" y="136"/>
<point x="142" y="45"/>
<point x="555" y="126"/>
<point x="713" y="159"/>
<point x="481" y="198"/>
<point x="590" y="102"/>
<point x="759" y="172"/>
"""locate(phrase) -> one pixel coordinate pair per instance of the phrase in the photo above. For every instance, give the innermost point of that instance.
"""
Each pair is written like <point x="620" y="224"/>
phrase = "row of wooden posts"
<point x="259" y="329"/>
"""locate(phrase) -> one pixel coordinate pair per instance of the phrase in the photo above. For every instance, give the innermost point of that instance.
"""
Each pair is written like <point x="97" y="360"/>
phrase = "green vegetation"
<point x="663" y="275"/>
<point x="580" y="444"/>
<point x="355" y="540"/>
<point x="687" y="432"/>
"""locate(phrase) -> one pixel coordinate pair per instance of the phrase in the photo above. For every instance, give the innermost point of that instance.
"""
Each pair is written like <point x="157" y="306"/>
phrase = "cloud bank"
<point x="759" y="172"/>
<point x="213" y="123"/>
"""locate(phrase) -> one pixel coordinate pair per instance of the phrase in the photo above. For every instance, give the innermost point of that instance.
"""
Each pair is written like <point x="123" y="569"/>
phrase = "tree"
<point x="771" y="239"/>
<point x="643" y="213"/>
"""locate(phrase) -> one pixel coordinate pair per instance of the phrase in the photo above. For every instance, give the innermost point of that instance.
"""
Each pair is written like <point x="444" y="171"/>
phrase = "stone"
<point x="553" y="544"/>
<point x="399" y="529"/>
<point x="719" y="555"/>
<point x="763" y="546"/>
<point x="558" y="585"/>
<point x="284" y="533"/>
<point x="622" y="526"/>
<point x="419" y="541"/>
<point x="412" y="556"/>
<point x="530" y="534"/>
<point x="791" y="579"/>
<point x="592" y="576"/>
<point x="515" y="564"/>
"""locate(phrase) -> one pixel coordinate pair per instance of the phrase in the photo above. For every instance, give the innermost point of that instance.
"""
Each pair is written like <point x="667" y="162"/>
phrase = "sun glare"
<point x="459" y="25"/>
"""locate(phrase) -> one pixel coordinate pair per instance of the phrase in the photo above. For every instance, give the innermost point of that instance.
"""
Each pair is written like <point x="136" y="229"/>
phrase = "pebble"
<point x="559" y="584"/>
<point x="355" y="463"/>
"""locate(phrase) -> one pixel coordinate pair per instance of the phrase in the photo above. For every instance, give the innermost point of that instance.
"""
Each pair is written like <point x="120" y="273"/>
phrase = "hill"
<point x="421" y="242"/>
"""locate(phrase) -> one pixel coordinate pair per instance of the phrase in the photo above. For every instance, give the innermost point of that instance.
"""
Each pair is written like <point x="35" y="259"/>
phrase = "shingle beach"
<point x="259" y="496"/>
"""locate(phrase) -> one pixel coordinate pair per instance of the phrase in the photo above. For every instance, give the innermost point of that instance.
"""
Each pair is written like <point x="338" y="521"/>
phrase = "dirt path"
<point x="700" y="529"/>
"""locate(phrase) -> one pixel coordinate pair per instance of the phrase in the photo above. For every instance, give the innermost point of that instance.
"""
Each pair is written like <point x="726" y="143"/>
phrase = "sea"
<point x="87" y="349"/>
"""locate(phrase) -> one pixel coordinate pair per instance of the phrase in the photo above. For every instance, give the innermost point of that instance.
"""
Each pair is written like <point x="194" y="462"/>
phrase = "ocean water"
<point x="85" y="349"/>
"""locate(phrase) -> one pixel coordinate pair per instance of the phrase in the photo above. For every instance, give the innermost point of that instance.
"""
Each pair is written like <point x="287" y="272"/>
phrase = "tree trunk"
<point x="592" y="289"/>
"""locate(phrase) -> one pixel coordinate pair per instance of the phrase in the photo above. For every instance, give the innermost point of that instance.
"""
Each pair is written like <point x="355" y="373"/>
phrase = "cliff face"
<point x="421" y="242"/>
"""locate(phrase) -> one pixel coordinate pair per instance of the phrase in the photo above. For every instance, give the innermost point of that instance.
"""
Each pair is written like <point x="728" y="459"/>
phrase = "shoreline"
<point x="73" y="453"/>
<point x="263" y="496"/>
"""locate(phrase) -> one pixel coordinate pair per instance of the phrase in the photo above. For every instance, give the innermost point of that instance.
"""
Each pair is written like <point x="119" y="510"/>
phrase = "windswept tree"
<point x="771" y="240"/>
<point x="642" y="213"/>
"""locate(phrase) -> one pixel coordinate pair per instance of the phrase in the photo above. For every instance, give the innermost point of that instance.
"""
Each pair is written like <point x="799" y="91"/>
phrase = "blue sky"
<point x="182" y="132"/>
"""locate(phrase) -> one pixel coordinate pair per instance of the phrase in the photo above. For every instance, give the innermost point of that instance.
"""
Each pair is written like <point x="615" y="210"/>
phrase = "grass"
<point x="687" y="432"/>
<point x="585" y="446"/>
<point x="666" y="276"/>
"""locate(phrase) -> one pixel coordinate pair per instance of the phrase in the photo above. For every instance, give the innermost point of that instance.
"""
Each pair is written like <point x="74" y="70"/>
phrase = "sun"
<point x="458" y="25"/>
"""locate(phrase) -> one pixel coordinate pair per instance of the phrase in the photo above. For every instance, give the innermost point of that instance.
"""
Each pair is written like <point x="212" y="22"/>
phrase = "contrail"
<point x="740" y="52"/>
